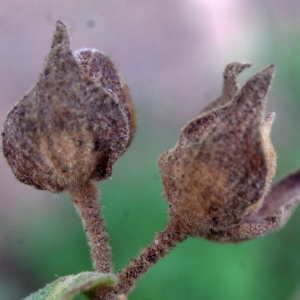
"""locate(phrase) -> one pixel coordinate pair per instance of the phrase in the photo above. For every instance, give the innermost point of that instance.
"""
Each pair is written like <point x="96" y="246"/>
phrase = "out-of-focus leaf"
<point x="67" y="287"/>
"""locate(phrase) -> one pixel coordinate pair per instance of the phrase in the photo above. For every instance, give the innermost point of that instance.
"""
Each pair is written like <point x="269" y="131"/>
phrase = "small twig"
<point x="86" y="203"/>
<point x="162" y="244"/>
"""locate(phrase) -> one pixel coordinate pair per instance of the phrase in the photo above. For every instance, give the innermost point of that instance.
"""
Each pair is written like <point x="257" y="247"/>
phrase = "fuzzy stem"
<point x="85" y="201"/>
<point x="162" y="244"/>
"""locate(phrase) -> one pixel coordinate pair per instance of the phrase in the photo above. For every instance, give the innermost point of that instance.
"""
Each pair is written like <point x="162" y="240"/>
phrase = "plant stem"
<point x="86" y="203"/>
<point x="162" y="244"/>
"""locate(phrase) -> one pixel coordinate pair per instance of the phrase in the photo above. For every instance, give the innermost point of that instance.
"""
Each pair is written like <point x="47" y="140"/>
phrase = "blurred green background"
<point x="172" y="55"/>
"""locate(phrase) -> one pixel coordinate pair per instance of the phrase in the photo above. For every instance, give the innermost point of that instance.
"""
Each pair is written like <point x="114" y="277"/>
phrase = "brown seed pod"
<point x="68" y="128"/>
<point x="221" y="168"/>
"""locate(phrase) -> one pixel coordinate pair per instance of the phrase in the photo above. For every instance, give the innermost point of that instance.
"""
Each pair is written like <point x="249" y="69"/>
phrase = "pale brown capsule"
<point x="221" y="168"/>
<point x="68" y="128"/>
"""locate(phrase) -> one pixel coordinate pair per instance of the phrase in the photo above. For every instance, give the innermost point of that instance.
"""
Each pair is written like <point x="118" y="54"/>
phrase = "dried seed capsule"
<point x="221" y="168"/>
<point x="67" y="129"/>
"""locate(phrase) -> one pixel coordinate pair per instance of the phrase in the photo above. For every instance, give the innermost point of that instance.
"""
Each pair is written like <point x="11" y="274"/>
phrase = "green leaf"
<point x="66" y="288"/>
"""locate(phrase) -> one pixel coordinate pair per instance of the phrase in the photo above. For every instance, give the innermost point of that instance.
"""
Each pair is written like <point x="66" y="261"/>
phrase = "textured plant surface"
<point x="69" y="127"/>
<point x="78" y="119"/>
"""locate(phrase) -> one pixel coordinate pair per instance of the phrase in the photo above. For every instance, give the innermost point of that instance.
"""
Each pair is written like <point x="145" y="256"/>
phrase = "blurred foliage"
<point x="284" y="51"/>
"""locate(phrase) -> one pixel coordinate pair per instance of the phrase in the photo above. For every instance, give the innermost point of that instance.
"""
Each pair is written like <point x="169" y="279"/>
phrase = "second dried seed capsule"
<point x="221" y="168"/>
